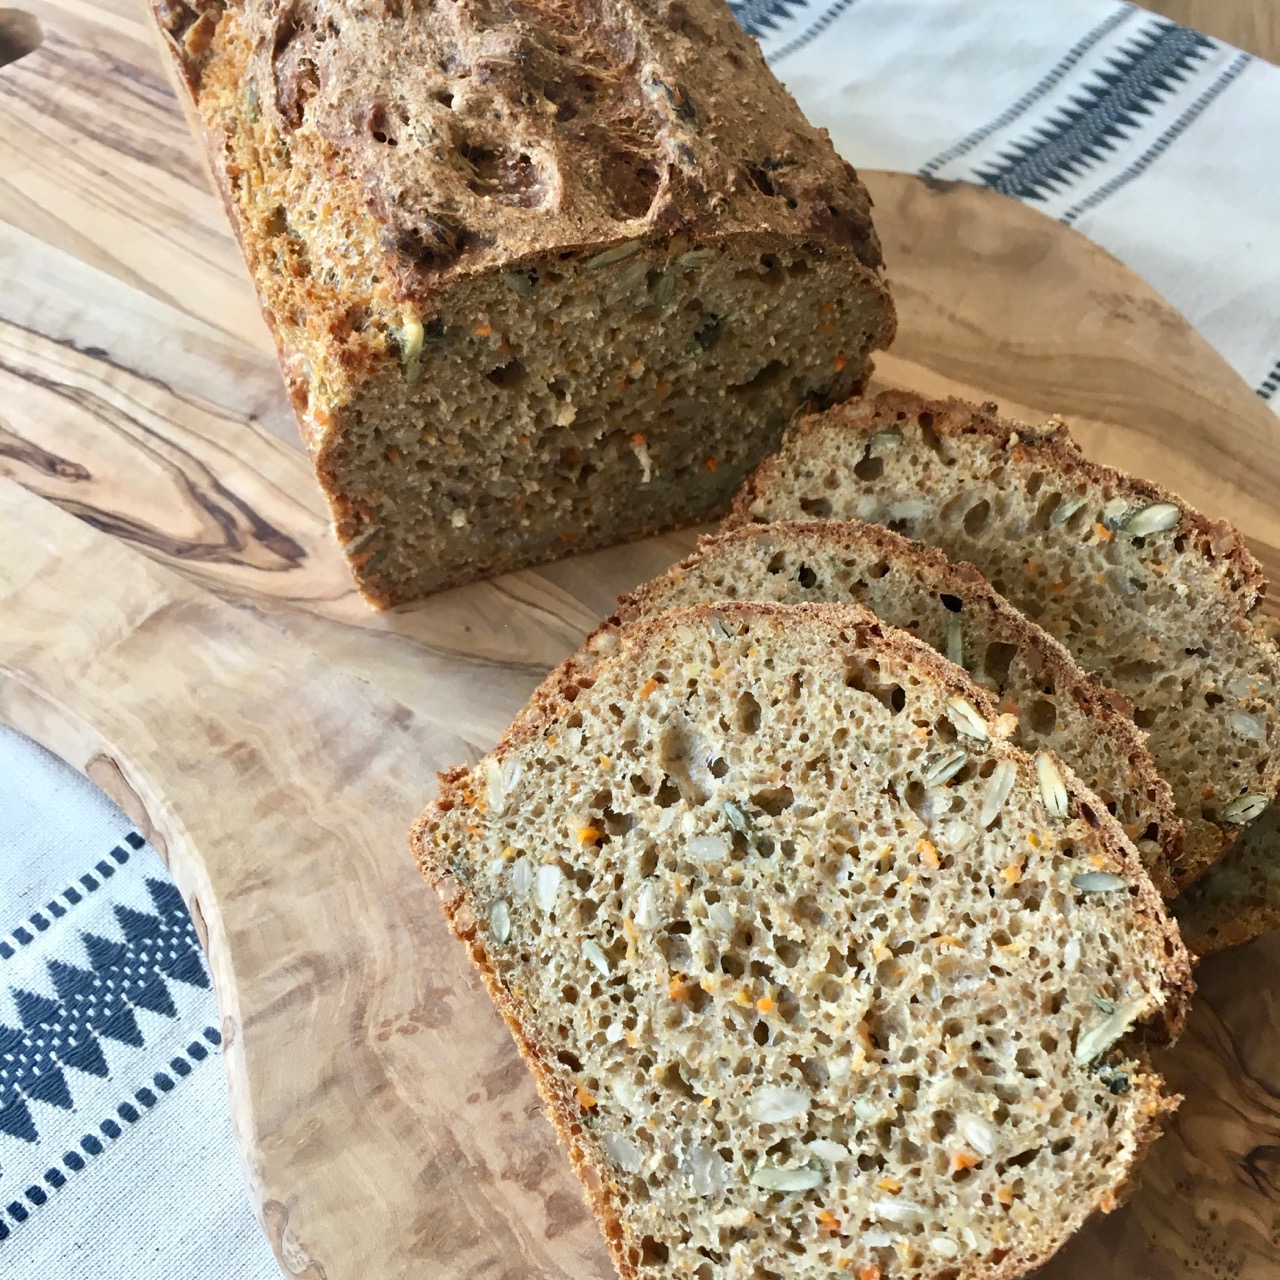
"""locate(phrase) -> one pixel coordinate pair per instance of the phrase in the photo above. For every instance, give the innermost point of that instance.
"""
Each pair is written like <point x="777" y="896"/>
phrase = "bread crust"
<point x="1051" y="446"/>
<point x="1110" y="709"/>
<point x="839" y="624"/>
<point x="377" y="164"/>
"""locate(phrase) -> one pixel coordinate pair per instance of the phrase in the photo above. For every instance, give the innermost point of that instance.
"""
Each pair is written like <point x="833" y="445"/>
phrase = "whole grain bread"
<point x="1151" y="596"/>
<point x="542" y="276"/>
<point x="794" y="1008"/>
<point x="954" y="610"/>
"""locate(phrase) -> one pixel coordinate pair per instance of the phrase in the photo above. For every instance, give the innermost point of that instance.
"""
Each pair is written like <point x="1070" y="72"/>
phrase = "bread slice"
<point x="953" y="609"/>
<point x="1239" y="898"/>
<point x="794" y="1009"/>
<point x="542" y="277"/>
<point x="1146" y="593"/>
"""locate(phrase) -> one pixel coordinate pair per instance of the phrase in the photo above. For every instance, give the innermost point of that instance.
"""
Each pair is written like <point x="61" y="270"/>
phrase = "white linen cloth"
<point x="116" y="1155"/>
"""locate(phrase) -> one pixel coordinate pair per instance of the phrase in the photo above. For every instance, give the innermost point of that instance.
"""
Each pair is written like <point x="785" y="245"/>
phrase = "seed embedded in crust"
<point x="1155" y="517"/>
<point x="1245" y="809"/>
<point x="967" y="720"/>
<point x="618" y="253"/>
<point x="1053" y="791"/>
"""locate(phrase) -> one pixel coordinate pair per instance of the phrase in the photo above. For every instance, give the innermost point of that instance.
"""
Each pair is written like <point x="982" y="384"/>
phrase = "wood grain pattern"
<point x="178" y="625"/>
<point x="1253" y="25"/>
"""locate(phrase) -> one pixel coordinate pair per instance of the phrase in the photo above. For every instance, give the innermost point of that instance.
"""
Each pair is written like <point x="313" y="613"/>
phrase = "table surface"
<point x="1252" y="25"/>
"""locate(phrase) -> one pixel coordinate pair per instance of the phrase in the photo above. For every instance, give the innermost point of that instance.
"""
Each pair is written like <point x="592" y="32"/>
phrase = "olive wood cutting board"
<point x="175" y="622"/>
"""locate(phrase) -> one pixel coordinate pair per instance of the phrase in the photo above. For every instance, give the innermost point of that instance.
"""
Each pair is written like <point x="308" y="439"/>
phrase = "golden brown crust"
<point x="841" y="624"/>
<point x="1209" y="542"/>
<point x="1052" y="441"/>
<point x="1110" y="709"/>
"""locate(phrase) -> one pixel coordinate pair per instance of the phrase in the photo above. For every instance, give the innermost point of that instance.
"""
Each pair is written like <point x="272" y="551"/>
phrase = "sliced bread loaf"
<point x="542" y="276"/>
<point x="789" y="1010"/>
<point x="1152" y="597"/>
<point x="954" y="610"/>
<point x="1239" y="898"/>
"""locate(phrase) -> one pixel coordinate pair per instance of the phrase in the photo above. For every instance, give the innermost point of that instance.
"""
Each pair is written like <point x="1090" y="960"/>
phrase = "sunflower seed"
<point x="617" y="253"/>
<point x="944" y="1247"/>
<point x="955" y="639"/>
<point x="774" y="1104"/>
<point x="721" y="916"/>
<point x="500" y="920"/>
<point x="546" y="885"/>
<point x="967" y="720"/>
<point x="1245" y="809"/>
<point x="1099" y="1039"/>
<point x="521" y="876"/>
<point x="706" y="1170"/>
<point x="980" y="1134"/>
<point x="1064" y="511"/>
<point x="896" y="1211"/>
<point x="945" y="767"/>
<point x="999" y="785"/>
<point x="1155" y="517"/>
<point x="1248" y="726"/>
<point x="831" y="1152"/>
<point x="884" y="440"/>
<point x="623" y="1152"/>
<point x="1098" y="882"/>
<point x="647" y="909"/>
<point x="1103" y="1005"/>
<point x="709" y="848"/>
<point x="1053" y="791"/>
<point x="737" y="817"/>
<point x="772" y="1178"/>
<point x="596" y="957"/>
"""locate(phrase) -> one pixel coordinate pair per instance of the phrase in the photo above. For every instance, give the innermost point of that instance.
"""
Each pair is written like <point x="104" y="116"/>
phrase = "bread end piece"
<point x="615" y="937"/>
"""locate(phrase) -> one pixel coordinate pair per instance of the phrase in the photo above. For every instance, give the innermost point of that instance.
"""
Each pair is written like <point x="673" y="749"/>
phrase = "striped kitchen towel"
<point x="1156" y="142"/>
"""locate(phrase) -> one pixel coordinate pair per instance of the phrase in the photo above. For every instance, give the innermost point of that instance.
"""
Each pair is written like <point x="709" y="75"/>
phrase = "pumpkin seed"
<point x="617" y="253"/>
<point x="664" y="288"/>
<point x="1155" y="517"/>
<point x="362" y="539"/>
<point x="697" y="257"/>
<point x="1245" y="809"/>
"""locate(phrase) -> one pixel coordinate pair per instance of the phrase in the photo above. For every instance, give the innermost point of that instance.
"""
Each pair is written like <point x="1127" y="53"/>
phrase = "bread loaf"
<point x="954" y="610"/>
<point x="796" y="1010"/>
<point x="543" y="276"/>
<point x="1146" y="593"/>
